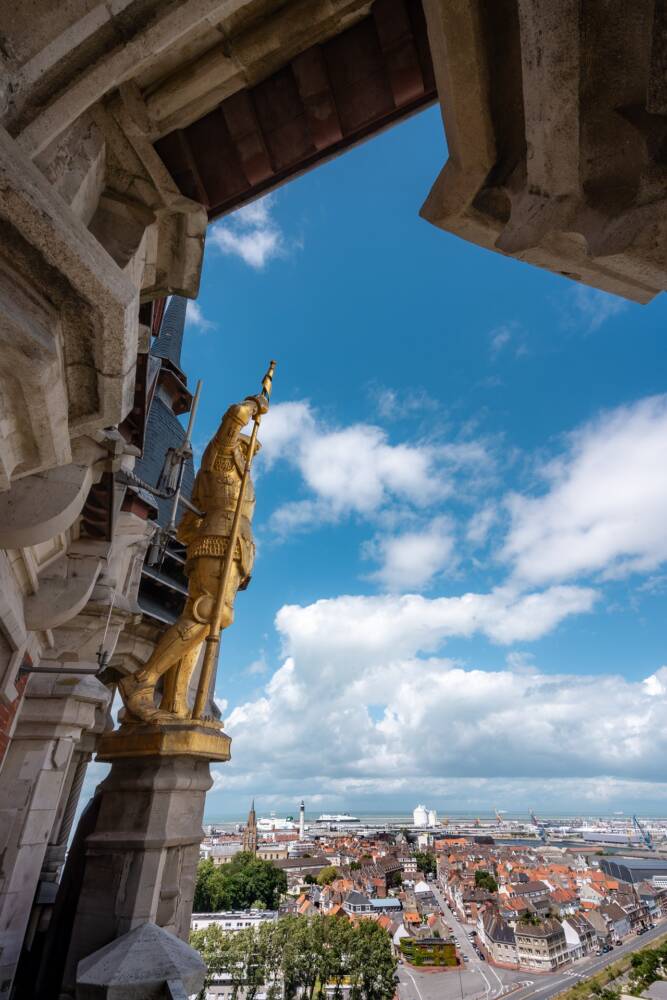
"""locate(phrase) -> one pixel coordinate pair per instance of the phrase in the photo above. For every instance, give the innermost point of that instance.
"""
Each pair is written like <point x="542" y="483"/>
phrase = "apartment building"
<point x="541" y="946"/>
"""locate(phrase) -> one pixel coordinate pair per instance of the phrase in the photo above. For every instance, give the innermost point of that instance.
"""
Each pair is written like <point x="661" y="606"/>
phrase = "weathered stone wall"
<point x="554" y="112"/>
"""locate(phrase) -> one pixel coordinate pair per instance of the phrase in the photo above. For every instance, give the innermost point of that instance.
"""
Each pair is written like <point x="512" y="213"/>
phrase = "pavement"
<point x="478" y="980"/>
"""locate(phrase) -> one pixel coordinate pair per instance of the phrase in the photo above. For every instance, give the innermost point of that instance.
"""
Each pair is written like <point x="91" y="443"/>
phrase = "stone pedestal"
<point x="141" y="860"/>
<point x="146" y="964"/>
<point x="56" y="711"/>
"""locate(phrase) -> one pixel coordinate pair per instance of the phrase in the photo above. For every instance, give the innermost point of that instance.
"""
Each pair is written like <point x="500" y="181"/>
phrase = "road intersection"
<point x="478" y="980"/>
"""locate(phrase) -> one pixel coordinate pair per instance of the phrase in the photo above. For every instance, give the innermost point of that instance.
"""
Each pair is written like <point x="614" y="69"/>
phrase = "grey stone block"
<point x="146" y="964"/>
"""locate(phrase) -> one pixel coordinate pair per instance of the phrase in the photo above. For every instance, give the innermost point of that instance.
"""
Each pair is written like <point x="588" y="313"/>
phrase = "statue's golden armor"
<point x="216" y="492"/>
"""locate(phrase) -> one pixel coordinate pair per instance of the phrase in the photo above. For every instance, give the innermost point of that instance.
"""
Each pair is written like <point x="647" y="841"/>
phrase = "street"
<point x="478" y="980"/>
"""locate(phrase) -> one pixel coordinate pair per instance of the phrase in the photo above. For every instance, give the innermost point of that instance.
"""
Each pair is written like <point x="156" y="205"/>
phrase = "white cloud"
<point x="593" y="307"/>
<point x="521" y="662"/>
<point x="656" y="684"/>
<point x="389" y="626"/>
<point x="255" y="248"/>
<point x="284" y="427"/>
<point x="394" y="405"/>
<point x="604" y="511"/>
<point x="410" y="560"/>
<point x="195" y="319"/>
<point x="656" y="584"/>
<point x="251" y="233"/>
<point x="481" y="523"/>
<point x="475" y="795"/>
<point x="356" y="470"/>
<point x="257" y="213"/>
<point x="258" y="666"/>
<point x="299" y="515"/>
<point x="356" y="711"/>
<point x="500" y="337"/>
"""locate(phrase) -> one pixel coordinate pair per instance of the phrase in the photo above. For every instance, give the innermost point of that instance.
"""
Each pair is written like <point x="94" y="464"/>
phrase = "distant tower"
<point x="302" y="820"/>
<point x="250" y="832"/>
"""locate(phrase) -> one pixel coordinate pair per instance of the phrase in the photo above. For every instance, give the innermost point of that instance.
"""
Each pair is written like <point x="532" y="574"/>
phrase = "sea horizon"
<point x="380" y="817"/>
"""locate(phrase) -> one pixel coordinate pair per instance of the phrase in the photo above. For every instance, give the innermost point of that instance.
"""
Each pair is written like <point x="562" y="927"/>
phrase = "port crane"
<point x="644" y="834"/>
<point x="541" y="830"/>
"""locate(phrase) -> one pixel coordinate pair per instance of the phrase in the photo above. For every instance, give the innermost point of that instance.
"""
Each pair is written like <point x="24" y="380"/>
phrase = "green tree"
<point x="426" y="862"/>
<point x="298" y="957"/>
<point x="205" y="887"/>
<point x="605" y="992"/>
<point x="246" y="882"/>
<point x="372" y="964"/>
<point x="485" y="880"/>
<point x="648" y="965"/>
<point x="310" y="880"/>
<point x="298" y="962"/>
<point x="224" y="954"/>
<point x="327" y="875"/>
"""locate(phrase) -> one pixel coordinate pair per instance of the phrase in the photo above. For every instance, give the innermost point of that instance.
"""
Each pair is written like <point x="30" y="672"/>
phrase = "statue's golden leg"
<point x="176" y="642"/>
<point x="177" y="651"/>
<point x="182" y="674"/>
<point x="169" y="689"/>
<point x="138" y="690"/>
<point x="204" y="580"/>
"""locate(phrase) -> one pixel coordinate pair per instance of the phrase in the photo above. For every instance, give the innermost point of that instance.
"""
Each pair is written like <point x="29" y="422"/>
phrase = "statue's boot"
<point x="138" y="693"/>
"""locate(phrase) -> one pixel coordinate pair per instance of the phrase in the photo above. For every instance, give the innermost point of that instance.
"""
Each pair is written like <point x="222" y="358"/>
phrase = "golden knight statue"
<point x="224" y="493"/>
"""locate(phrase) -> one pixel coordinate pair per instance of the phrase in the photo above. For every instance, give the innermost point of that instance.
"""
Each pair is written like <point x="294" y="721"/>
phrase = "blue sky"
<point x="446" y="422"/>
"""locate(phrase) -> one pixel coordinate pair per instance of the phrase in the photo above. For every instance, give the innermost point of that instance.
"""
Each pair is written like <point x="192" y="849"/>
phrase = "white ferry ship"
<point x="337" y="818"/>
<point x="273" y="824"/>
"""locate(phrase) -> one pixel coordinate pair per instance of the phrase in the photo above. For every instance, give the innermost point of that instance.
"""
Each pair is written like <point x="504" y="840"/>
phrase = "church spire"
<point x="250" y="832"/>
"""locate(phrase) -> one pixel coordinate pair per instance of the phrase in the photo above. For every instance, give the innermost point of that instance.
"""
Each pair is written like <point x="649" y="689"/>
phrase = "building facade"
<point x="541" y="946"/>
<point x="497" y="937"/>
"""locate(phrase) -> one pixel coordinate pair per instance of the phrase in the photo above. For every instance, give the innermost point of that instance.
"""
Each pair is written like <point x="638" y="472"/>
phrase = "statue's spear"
<point x="213" y="638"/>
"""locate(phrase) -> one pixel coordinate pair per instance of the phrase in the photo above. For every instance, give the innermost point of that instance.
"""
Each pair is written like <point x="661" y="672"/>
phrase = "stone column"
<point x="141" y="860"/>
<point x="56" y="711"/>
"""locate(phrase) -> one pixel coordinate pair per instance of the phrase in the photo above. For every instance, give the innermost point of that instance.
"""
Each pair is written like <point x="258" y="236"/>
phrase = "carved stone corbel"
<point x="64" y="590"/>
